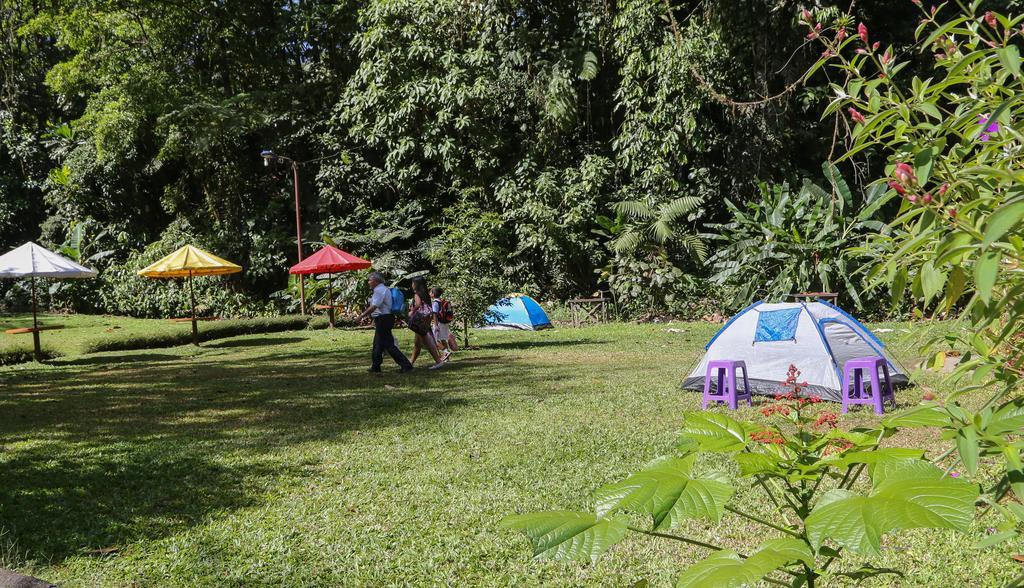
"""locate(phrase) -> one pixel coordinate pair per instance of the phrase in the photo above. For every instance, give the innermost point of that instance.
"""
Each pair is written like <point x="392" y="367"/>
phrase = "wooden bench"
<point x="583" y="310"/>
<point x="188" y="319"/>
<point x="24" y="330"/>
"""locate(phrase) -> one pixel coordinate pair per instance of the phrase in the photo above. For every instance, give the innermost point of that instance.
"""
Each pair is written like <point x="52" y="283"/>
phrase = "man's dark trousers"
<point x="383" y="341"/>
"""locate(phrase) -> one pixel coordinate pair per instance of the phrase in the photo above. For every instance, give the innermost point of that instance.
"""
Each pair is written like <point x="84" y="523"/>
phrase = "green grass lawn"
<point x="81" y="334"/>
<point x="277" y="460"/>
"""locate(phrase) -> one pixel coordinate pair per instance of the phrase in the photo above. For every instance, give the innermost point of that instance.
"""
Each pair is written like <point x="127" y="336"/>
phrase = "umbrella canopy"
<point x="32" y="260"/>
<point x="329" y="260"/>
<point x="186" y="263"/>
<point x="190" y="261"/>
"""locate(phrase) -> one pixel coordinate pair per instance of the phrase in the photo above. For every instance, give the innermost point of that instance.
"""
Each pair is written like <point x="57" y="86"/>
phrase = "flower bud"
<point x="862" y="31"/>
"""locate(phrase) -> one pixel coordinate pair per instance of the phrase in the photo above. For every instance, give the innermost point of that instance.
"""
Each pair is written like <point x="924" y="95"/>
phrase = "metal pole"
<point x="192" y="295"/>
<point x="330" y="298"/>
<point x="298" y="237"/>
<point x="38" y="351"/>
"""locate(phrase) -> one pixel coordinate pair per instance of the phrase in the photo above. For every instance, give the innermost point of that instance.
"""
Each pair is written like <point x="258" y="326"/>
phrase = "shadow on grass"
<point x="517" y="345"/>
<point x="55" y="505"/>
<point x="102" y="454"/>
<point x="254" y="342"/>
<point x="106" y="360"/>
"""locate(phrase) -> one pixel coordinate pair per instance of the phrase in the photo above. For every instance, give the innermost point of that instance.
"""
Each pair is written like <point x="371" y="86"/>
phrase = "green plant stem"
<point x="680" y="538"/>
<point x="761" y="483"/>
<point x="763" y="522"/>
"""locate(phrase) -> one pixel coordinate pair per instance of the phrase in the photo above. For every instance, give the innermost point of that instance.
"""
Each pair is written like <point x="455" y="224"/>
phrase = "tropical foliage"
<point x="787" y="242"/>
<point x="144" y="120"/>
<point x="834" y="493"/>
<point x="954" y="158"/>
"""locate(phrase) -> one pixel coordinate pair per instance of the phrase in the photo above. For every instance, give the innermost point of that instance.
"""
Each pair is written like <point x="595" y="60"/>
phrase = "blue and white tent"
<point x="518" y="311"/>
<point x="816" y="337"/>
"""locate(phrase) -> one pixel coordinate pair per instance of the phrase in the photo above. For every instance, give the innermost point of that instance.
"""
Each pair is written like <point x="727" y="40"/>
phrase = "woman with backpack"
<point x="421" y="318"/>
<point x="442" y="316"/>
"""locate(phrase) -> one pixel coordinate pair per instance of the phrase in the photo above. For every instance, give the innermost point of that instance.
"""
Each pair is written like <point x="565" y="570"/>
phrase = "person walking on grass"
<point x="421" y="317"/>
<point x="383" y="321"/>
<point x="442" y="316"/>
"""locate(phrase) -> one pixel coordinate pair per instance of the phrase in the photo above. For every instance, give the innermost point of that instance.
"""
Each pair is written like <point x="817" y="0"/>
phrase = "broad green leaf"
<point x="877" y="456"/>
<point x="923" y="162"/>
<point x="752" y="464"/>
<point x="1008" y="418"/>
<point x="667" y="493"/>
<point x="985" y="271"/>
<point x="955" y="287"/>
<point x="907" y="495"/>
<point x="995" y="539"/>
<point x="726" y="569"/>
<point x="928" y="415"/>
<point x="1002" y="220"/>
<point x="715" y="431"/>
<point x="1009" y="56"/>
<point x="932" y="281"/>
<point x="1014" y="470"/>
<point x="967" y="446"/>
<point x="567" y="534"/>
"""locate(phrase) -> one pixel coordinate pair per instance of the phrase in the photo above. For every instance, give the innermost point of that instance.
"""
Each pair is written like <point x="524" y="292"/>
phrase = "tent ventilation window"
<point x="777" y="325"/>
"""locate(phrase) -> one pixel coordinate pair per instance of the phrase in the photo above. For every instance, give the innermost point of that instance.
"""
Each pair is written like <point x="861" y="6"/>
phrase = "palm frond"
<point x="678" y="207"/>
<point x="634" y="209"/>
<point x="628" y="242"/>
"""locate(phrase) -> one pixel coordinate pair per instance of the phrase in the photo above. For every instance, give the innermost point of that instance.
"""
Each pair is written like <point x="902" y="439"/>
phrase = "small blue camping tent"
<point x="518" y="311"/>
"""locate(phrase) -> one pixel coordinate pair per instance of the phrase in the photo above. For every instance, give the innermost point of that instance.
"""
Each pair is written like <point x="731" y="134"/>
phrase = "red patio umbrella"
<point x="329" y="260"/>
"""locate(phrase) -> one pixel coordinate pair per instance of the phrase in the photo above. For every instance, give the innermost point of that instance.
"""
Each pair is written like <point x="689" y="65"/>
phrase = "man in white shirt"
<point x="383" y="321"/>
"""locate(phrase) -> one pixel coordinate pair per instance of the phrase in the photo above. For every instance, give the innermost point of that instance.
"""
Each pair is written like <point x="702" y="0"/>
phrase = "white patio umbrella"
<point x="31" y="260"/>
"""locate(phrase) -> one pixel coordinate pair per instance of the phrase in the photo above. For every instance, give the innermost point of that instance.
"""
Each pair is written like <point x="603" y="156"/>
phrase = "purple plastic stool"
<point x="725" y="389"/>
<point x="859" y="394"/>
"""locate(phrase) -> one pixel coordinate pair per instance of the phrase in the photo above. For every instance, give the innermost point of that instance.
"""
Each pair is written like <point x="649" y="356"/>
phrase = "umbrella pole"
<point x="192" y="296"/>
<point x="37" y="349"/>
<point x="330" y="298"/>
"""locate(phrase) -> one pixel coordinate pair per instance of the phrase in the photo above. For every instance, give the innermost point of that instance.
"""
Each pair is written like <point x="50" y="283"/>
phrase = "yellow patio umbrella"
<point x="187" y="262"/>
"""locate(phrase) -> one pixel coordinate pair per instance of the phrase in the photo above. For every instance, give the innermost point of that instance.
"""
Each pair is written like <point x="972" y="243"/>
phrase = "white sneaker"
<point x="447" y="356"/>
<point x="436" y="365"/>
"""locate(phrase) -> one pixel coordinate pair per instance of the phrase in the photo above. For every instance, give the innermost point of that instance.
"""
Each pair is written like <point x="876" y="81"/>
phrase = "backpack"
<point x="446" y="315"/>
<point x="397" y="301"/>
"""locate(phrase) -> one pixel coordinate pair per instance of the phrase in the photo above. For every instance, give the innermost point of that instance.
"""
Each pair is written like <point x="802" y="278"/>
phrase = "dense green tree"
<point x="144" y="119"/>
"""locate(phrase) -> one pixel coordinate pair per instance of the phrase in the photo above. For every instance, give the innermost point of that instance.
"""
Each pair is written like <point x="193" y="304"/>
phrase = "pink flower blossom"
<point x="905" y="174"/>
<point x="805" y="15"/>
<point x="952" y="212"/>
<point x="840" y="34"/>
<point x="911" y="198"/>
<point x="990" y="19"/>
<point x="886" y="57"/>
<point x="856" y="116"/>
<point x="942" y="189"/>
<point x="862" y="31"/>
<point x="926" y="199"/>
<point x="896" y="186"/>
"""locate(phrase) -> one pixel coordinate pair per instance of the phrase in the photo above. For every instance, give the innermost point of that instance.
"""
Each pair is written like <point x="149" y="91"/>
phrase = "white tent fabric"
<point x="817" y="337"/>
<point x="32" y="260"/>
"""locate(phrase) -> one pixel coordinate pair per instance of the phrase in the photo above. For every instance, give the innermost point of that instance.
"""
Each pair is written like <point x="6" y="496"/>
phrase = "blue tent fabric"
<point x="777" y="325"/>
<point x="517" y="312"/>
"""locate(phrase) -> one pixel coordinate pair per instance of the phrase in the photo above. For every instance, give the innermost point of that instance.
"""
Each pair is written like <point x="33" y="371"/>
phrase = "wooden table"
<point x="25" y="330"/>
<point x="584" y="310"/>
